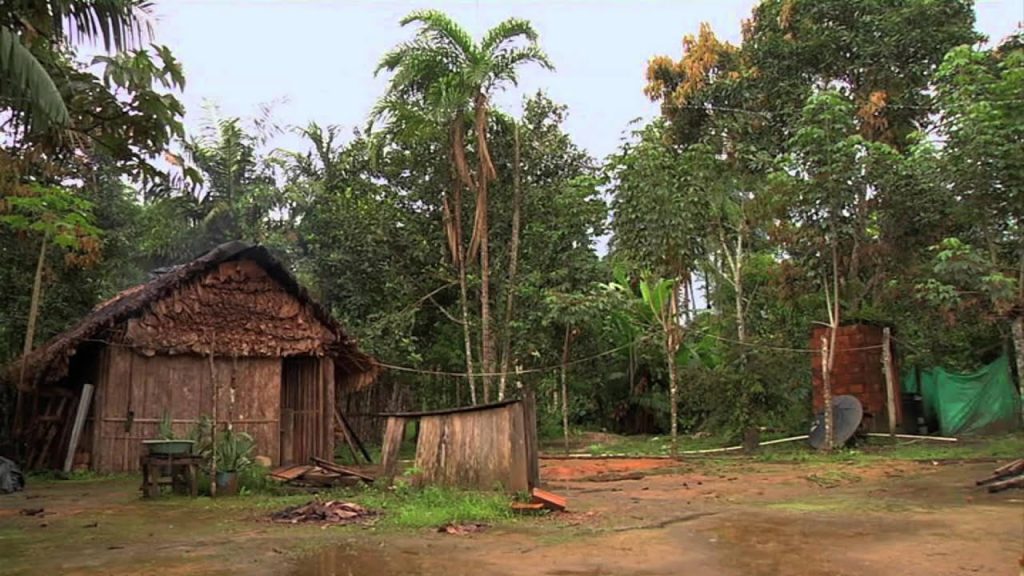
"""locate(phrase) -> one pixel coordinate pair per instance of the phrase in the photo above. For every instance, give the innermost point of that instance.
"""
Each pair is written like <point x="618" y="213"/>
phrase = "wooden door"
<point x="304" y="431"/>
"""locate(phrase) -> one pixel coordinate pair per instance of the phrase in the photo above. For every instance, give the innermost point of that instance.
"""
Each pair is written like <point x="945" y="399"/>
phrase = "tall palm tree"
<point x="411" y="120"/>
<point x="443" y="69"/>
<point x="33" y="31"/>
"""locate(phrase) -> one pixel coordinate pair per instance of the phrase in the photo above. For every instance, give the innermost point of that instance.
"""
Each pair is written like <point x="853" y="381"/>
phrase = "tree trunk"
<point x="671" y="328"/>
<point x="33" y="307"/>
<point x="829" y="347"/>
<point x="826" y="390"/>
<point x="513" y="265"/>
<point x="486" y="335"/>
<point x="1017" y="328"/>
<point x="454" y="232"/>
<point x="737" y="279"/>
<point x="565" y="386"/>
<point x="484" y="175"/>
<point x="466" y="334"/>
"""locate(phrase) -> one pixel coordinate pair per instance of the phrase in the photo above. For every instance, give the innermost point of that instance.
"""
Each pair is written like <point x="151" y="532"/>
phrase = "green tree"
<point x="34" y="33"/>
<point x="444" y="69"/>
<point x="58" y="217"/>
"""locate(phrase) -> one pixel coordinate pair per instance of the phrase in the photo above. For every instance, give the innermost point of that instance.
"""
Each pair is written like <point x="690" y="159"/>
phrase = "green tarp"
<point x="982" y="401"/>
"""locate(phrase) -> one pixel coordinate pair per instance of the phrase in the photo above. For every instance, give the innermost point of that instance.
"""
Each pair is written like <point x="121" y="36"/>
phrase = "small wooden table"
<point x="179" y="471"/>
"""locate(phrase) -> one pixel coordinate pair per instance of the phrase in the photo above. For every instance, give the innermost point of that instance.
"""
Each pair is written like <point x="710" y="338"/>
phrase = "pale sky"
<point x="319" y="55"/>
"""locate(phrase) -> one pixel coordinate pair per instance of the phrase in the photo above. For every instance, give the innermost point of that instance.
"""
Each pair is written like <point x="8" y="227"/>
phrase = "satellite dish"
<point x="847" y="413"/>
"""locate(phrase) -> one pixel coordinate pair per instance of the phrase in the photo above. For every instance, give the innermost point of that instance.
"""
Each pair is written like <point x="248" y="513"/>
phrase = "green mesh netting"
<point x="982" y="401"/>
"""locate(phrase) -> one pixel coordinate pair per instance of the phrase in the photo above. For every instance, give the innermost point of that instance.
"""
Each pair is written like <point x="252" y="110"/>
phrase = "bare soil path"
<point x="628" y="516"/>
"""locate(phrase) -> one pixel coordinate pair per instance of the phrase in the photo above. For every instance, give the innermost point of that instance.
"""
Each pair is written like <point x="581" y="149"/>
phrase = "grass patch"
<point x="57" y="476"/>
<point x="401" y="507"/>
<point x="433" y="506"/>
<point x="876" y="449"/>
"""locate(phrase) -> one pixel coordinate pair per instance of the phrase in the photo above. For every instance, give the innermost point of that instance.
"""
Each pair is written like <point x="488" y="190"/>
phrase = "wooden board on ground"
<point x="549" y="500"/>
<point x="287" y="473"/>
<point x="526" y="506"/>
<point x="331" y="466"/>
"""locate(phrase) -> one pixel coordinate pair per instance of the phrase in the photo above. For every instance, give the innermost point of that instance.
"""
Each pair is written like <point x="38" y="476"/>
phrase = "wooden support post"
<point x="890" y="386"/>
<point x="213" y="430"/>
<point x="532" y="448"/>
<point x="826" y="391"/>
<point x="343" y="432"/>
<point x="76" y="428"/>
<point x="352" y="434"/>
<point x="390" y="447"/>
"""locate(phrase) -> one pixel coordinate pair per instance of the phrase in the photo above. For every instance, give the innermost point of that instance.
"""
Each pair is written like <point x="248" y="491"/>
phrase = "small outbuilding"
<point x="231" y="335"/>
<point x="858" y="372"/>
<point x="480" y="447"/>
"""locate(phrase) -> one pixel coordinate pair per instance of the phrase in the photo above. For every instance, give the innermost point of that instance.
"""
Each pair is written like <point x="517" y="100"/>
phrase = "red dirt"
<point x="700" y="518"/>
<point x="578" y="469"/>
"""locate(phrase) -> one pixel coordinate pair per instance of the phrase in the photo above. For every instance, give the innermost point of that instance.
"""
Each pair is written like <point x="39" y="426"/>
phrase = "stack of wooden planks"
<point x="1007" y="476"/>
<point x="319" y="473"/>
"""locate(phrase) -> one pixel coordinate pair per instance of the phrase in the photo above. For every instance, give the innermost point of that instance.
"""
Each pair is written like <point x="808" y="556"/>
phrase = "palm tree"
<point x="413" y="121"/>
<point x="444" y="70"/>
<point x="32" y="31"/>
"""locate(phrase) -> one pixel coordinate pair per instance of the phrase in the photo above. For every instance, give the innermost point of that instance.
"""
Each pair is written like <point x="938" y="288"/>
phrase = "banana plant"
<point x="657" y="309"/>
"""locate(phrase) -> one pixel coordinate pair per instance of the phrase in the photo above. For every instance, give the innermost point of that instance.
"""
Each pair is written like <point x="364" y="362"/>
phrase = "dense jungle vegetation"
<point x="845" y="162"/>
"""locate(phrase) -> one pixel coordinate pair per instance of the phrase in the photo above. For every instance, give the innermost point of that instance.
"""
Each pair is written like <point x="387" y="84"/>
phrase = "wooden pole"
<point x="352" y="434"/>
<point x="390" y="448"/>
<point x="213" y="429"/>
<point x="826" y="391"/>
<point x="890" y="387"/>
<point x="565" y="386"/>
<point x="76" y="428"/>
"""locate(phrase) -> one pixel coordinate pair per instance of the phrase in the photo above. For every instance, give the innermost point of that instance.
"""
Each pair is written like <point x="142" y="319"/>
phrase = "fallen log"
<point x="1017" y="465"/>
<point x="1012" y="469"/>
<point x="1016" y="481"/>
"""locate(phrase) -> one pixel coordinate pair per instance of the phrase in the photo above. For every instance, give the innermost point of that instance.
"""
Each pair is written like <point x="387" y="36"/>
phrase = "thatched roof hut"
<point x="230" y="332"/>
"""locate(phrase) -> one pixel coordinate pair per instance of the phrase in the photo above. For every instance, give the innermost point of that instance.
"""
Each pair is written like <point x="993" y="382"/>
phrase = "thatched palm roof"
<point x="49" y="363"/>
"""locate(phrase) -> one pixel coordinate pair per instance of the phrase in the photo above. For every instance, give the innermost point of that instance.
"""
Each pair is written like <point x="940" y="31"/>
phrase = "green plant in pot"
<point x="166" y="443"/>
<point x="233" y="451"/>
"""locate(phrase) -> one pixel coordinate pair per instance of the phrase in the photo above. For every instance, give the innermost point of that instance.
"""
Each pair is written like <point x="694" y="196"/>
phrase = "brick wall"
<point x="857" y="371"/>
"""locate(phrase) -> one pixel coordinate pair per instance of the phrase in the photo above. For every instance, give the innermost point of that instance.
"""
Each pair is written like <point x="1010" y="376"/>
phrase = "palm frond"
<point x="506" y="62"/>
<point x="118" y="24"/>
<point x="507" y="31"/>
<point x="24" y="76"/>
<point x="440" y="26"/>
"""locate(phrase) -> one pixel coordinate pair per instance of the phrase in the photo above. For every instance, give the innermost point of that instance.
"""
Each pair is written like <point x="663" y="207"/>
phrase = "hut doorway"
<point x="304" y="405"/>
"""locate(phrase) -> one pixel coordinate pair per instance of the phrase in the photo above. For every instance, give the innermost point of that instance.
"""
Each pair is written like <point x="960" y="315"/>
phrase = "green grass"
<point x="401" y="507"/>
<point x="433" y="506"/>
<point x="875" y="449"/>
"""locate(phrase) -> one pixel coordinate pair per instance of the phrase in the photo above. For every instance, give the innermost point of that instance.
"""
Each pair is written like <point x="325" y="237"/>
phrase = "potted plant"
<point x="234" y="453"/>
<point x="166" y="443"/>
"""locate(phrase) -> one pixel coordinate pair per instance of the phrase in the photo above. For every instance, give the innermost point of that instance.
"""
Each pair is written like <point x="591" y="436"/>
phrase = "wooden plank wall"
<point x="307" y="404"/>
<point x="135" y="391"/>
<point x="482" y="450"/>
<point x="361" y="406"/>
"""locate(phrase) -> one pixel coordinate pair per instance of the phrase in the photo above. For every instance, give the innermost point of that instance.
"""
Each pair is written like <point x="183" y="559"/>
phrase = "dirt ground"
<point x="627" y="516"/>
